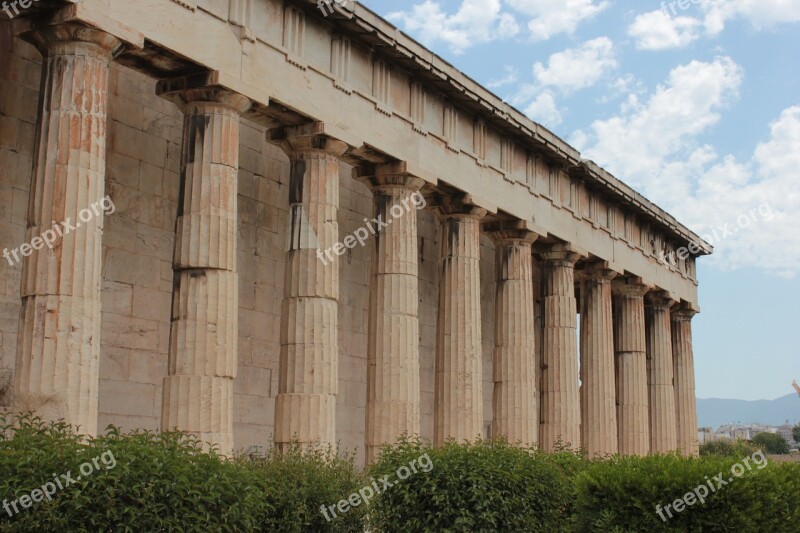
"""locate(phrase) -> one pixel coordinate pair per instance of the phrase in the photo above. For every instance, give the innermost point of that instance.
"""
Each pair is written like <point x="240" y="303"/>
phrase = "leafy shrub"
<point x="165" y="482"/>
<point x="771" y="443"/>
<point x="622" y="494"/>
<point x="483" y="486"/>
<point x="728" y="448"/>
<point x="158" y="482"/>
<point x="298" y="482"/>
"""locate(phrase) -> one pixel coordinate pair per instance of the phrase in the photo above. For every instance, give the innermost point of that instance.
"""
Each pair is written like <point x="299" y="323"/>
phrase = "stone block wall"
<point x="143" y="181"/>
<point x="20" y="68"/>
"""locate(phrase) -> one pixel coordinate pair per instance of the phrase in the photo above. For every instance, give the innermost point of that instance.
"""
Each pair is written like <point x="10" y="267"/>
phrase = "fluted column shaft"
<point x="458" y="393"/>
<point x="393" y="381"/>
<point x="515" y="402"/>
<point x="685" y="401"/>
<point x="305" y="407"/>
<point x="198" y="392"/>
<point x="59" y="332"/>
<point x="630" y="346"/>
<point x="598" y="391"/>
<point x="661" y="390"/>
<point x="560" y="409"/>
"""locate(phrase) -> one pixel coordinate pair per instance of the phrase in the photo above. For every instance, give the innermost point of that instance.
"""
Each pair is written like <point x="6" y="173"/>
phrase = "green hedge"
<point x="165" y="482"/>
<point x="491" y="486"/>
<point x="485" y="486"/>
<point x="622" y="494"/>
<point x="297" y="483"/>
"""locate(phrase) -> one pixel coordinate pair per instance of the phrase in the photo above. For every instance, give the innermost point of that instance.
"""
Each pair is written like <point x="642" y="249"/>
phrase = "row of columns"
<point x="636" y="368"/>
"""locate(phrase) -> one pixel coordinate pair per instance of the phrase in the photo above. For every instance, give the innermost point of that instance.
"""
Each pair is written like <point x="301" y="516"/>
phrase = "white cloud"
<point x="673" y="27"/>
<point x="577" y="68"/>
<point x="551" y="18"/>
<point x="482" y="21"/>
<point x="510" y="77"/>
<point x="749" y="210"/>
<point x="644" y="134"/>
<point x="759" y="201"/>
<point x="475" y="22"/>
<point x="567" y="71"/>
<point x="781" y="156"/>
<point x="543" y="109"/>
<point x="759" y="13"/>
<point x="656" y="30"/>
<point x="622" y="86"/>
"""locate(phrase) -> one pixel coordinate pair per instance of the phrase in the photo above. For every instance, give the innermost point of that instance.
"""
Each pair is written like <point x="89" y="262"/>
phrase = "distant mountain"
<point x="714" y="412"/>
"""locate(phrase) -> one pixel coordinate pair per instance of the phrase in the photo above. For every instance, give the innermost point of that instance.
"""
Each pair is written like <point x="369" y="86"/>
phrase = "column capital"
<point x="684" y="312"/>
<point x="460" y="205"/>
<point x="596" y="270"/>
<point x="389" y="177"/>
<point x="201" y="88"/>
<point x="47" y="37"/>
<point x="510" y="231"/>
<point x="76" y="22"/>
<point x="659" y="300"/>
<point x="307" y="139"/>
<point x="629" y="287"/>
<point x="559" y="252"/>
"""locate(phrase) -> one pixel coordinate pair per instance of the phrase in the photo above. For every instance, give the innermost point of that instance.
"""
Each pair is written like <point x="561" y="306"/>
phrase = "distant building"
<point x="706" y="435"/>
<point x="748" y="431"/>
<point x="785" y="431"/>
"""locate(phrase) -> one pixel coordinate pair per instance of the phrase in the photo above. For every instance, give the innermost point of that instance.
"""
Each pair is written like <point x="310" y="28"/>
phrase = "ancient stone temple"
<point x="260" y="221"/>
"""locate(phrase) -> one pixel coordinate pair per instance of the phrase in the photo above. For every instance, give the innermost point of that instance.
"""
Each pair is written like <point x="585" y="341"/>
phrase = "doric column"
<point x="560" y="409"/>
<point x="661" y="390"/>
<point x="685" y="402"/>
<point x="633" y="418"/>
<point x="393" y="393"/>
<point x="458" y="393"/>
<point x="198" y="392"/>
<point x="598" y="392"/>
<point x="59" y="333"/>
<point x="305" y="408"/>
<point x="515" y="401"/>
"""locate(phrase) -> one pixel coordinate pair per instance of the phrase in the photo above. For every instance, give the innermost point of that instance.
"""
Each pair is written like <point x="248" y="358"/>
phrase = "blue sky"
<point x="697" y="106"/>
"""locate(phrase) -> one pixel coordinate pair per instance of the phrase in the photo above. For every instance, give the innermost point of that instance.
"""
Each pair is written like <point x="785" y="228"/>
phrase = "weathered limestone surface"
<point x="58" y="349"/>
<point x="560" y="407"/>
<point x="198" y="393"/>
<point x="458" y="402"/>
<point x="685" y="400"/>
<point x="538" y="328"/>
<point x="297" y="69"/>
<point x="20" y="72"/>
<point x="393" y="368"/>
<point x="661" y="391"/>
<point x="598" y="391"/>
<point x="630" y="347"/>
<point x="516" y="392"/>
<point x="305" y="408"/>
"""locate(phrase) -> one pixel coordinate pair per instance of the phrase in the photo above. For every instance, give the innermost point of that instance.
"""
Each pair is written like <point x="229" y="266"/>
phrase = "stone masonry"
<point x="225" y="296"/>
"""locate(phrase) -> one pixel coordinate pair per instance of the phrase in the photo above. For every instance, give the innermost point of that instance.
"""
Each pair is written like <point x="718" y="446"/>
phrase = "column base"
<point x="305" y="419"/>
<point x="202" y="406"/>
<point x="57" y="372"/>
